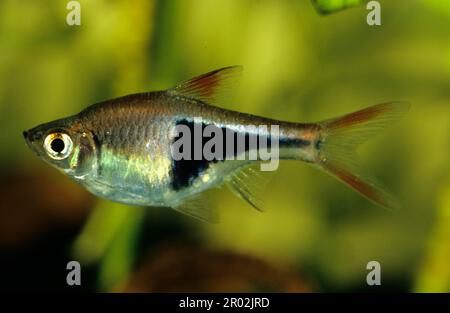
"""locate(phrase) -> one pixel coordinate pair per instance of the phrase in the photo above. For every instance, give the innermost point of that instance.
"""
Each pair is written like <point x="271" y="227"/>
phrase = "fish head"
<point x="65" y="144"/>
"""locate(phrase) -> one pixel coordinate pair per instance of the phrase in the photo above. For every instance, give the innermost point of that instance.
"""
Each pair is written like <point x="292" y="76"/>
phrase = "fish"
<point x="123" y="149"/>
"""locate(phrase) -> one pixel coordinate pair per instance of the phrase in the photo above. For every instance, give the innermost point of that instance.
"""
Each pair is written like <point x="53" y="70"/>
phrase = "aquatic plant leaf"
<point x="99" y="231"/>
<point x="331" y="6"/>
<point x="118" y="261"/>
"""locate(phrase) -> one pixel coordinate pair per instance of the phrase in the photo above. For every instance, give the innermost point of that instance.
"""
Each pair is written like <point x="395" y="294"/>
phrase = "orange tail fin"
<point x="341" y="136"/>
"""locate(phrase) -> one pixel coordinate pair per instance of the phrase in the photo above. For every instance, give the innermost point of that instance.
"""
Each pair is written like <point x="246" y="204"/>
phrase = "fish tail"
<point x="338" y="140"/>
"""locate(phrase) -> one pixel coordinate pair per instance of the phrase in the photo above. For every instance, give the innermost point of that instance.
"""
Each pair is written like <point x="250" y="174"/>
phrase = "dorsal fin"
<point x="209" y="87"/>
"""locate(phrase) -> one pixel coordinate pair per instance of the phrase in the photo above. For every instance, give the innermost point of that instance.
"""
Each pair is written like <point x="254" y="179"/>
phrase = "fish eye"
<point x="58" y="145"/>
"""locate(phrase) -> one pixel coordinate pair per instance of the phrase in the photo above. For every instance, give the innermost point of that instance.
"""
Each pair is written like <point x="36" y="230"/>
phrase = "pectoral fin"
<point x="199" y="208"/>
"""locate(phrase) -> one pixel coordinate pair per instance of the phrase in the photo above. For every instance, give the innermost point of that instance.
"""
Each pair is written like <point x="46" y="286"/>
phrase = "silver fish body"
<point x="134" y="136"/>
<point x="123" y="149"/>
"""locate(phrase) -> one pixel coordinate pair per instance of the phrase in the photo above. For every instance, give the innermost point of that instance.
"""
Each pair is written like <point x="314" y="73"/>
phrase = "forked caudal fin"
<point x="341" y="136"/>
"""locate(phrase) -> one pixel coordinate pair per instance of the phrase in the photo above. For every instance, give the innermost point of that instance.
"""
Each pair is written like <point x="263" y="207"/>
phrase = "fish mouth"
<point x="26" y="135"/>
<point x="30" y="140"/>
<point x="32" y="135"/>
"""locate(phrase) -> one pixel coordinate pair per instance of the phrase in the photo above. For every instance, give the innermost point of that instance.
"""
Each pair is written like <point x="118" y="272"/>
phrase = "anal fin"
<point x="249" y="183"/>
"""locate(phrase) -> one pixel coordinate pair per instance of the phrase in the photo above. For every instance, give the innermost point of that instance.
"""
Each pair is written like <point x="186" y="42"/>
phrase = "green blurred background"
<point x="317" y="235"/>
